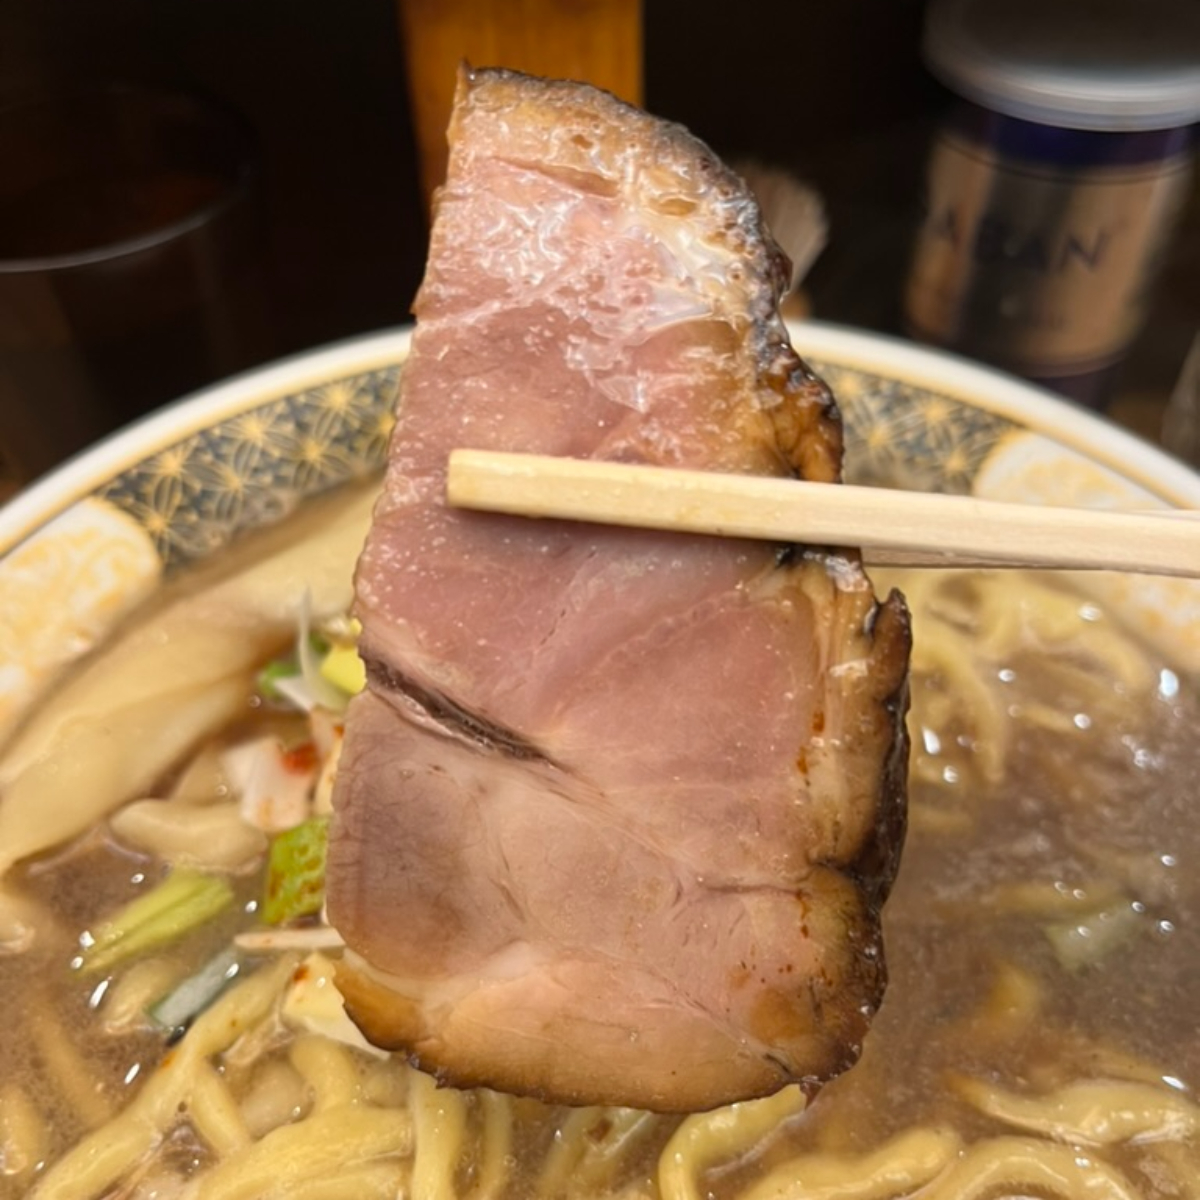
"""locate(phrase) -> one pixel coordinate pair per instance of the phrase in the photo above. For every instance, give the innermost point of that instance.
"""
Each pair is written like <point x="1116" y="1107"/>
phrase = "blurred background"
<point x="833" y="90"/>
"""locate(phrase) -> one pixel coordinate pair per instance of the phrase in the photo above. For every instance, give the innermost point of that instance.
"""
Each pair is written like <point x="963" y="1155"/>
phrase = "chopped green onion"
<point x="270" y="677"/>
<point x="184" y="1003"/>
<point x="184" y="900"/>
<point x="295" y="884"/>
<point x="321" y="670"/>
<point x="297" y="694"/>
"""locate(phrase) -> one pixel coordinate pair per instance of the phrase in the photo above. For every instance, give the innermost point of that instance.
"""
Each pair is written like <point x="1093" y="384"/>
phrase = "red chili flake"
<point x="301" y="759"/>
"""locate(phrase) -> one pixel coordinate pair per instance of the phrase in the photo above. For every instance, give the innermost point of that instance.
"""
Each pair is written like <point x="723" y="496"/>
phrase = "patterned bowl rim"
<point x="871" y="354"/>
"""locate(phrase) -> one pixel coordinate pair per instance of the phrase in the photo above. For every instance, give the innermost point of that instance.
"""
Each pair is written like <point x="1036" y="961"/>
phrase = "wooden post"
<point x="596" y="41"/>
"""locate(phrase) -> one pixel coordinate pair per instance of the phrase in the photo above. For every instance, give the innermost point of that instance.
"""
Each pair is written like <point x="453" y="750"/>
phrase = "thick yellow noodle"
<point x="320" y="1147"/>
<point x="495" y="1145"/>
<point x="897" y="1168"/>
<point x="707" y="1139"/>
<point x="380" y="1180"/>
<point x="1095" y="1112"/>
<point x="969" y="624"/>
<point x="214" y="1112"/>
<point x="24" y="1135"/>
<point x="65" y="1065"/>
<point x="1010" y="1166"/>
<point x="439" y="1117"/>
<point x="327" y="1068"/>
<point x="109" y="1152"/>
<point x="589" y="1148"/>
<point x="597" y="1168"/>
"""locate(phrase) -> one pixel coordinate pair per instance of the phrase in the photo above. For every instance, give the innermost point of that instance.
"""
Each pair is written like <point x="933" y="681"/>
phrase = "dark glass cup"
<point x="132" y="266"/>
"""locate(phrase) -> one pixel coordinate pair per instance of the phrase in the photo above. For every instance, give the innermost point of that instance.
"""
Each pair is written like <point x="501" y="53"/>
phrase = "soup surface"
<point x="1039" y="1036"/>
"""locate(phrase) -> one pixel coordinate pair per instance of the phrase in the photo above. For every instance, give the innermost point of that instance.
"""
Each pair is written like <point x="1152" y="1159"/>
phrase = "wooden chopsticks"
<point x="893" y="527"/>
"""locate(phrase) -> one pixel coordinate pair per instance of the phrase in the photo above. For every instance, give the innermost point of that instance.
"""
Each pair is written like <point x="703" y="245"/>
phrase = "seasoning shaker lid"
<point x="1118" y="65"/>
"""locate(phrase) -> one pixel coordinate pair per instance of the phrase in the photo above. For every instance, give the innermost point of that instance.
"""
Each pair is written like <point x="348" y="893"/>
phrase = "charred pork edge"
<point x="361" y="984"/>
<point x="878" y="863"/>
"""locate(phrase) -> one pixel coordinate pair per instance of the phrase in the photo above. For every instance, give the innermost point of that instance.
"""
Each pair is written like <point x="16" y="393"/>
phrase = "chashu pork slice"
<point x="617" y="810"/>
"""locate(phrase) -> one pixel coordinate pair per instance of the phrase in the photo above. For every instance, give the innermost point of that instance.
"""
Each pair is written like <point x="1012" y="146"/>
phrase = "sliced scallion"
<point x="188" y="999"/>
<point x="295" y="884"/>
<point x="183" y="901"/>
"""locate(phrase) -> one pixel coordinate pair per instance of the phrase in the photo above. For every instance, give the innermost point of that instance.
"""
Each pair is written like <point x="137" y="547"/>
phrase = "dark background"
<point x="832" y="89"/>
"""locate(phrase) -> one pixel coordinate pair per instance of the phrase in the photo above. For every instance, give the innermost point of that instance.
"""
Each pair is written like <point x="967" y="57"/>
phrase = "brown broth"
<point x="1107" y="810"/>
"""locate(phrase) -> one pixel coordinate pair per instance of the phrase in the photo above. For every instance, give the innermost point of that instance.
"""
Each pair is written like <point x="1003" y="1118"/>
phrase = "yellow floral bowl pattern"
<point x="253" y="469"/>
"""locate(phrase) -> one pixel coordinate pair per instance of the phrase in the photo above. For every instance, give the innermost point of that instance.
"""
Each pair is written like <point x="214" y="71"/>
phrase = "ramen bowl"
<point x="1037" y="1036"/>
